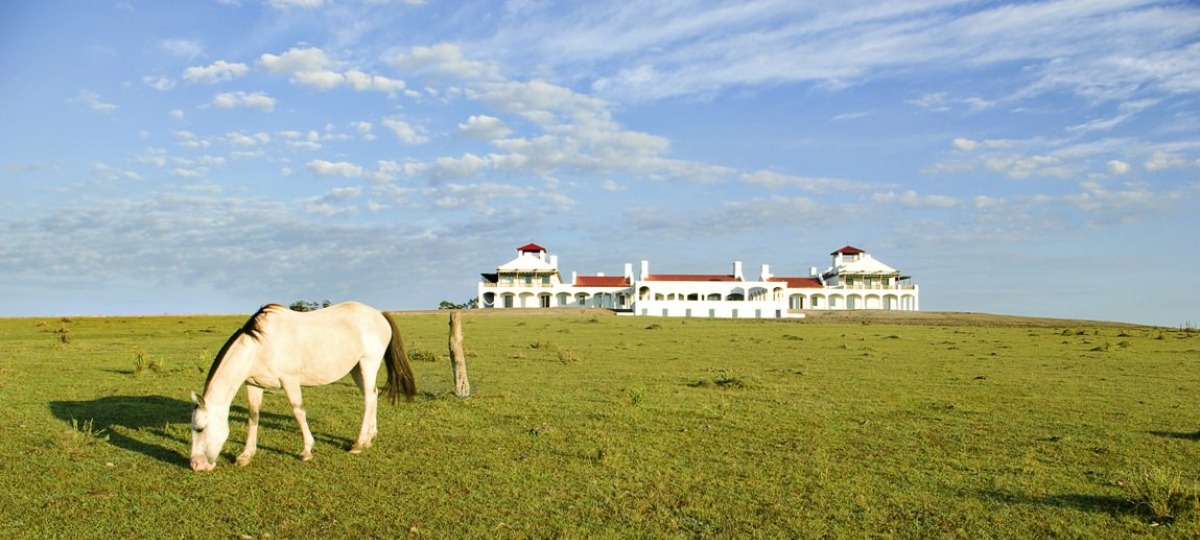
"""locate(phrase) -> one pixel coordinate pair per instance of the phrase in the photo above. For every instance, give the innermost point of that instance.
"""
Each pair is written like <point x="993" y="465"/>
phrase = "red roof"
<point x="689" y="277"/>
<point x="531" y="247"/>
<point x="601" y="281"/>
<point x="848" y="250"/>
<point x="799" y="282"/>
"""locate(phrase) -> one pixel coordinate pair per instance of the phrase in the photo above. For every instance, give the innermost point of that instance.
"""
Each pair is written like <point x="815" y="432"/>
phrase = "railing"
<point x="861" y="287"/>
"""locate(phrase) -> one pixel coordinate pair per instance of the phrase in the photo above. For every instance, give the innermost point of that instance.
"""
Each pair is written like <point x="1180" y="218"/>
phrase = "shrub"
<point x="422" y="355"/>
<point x="74" y="441"/>
<point x="568" y="356"/>
<point x="1162" y="493"/>
<point x="143" y="362"/>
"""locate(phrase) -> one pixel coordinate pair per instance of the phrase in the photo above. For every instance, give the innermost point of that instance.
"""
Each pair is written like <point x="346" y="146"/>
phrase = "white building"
<point x="855" y="280"/>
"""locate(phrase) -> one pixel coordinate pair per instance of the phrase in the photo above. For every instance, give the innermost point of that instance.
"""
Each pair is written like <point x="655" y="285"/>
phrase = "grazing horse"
<point x="281" y="348"/>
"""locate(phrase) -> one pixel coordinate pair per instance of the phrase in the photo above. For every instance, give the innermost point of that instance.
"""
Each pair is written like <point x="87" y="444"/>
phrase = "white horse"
<point x="281" y="348"/>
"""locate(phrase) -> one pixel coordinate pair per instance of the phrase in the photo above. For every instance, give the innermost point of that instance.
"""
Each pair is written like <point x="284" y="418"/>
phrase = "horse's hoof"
<point x="242" y="461"/>
<point x="306" y="457"/>
<point x="356" y="449"/>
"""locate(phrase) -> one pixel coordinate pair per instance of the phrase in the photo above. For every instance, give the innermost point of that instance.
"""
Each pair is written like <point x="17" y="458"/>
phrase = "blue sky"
<point x="1030" y="158"/>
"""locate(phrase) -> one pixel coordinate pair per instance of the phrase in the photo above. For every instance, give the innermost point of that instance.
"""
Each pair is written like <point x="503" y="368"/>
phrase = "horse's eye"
<point x="198" y="429"/>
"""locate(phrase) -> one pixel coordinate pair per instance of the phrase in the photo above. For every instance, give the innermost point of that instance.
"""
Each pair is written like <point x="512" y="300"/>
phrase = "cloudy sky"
<point x="1032" y="158"/>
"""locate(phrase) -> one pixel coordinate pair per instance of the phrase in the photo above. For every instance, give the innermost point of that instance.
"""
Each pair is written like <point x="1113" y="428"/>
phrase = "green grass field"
<point x="591" y="425"/>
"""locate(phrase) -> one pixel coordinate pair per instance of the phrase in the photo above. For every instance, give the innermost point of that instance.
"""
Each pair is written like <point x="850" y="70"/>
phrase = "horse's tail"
<point x="399" y="373"/>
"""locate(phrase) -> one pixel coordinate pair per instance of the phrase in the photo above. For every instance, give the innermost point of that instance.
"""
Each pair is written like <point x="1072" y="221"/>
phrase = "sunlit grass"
<point x="602" y="426"/>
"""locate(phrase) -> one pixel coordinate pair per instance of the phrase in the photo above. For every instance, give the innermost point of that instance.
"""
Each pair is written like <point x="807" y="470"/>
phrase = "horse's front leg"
<point x="254" y="397"/>
<point x="292" y="389"/>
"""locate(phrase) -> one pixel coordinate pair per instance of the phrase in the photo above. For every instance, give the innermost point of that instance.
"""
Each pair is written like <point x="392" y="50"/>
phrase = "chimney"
<point x="629" y="271"/>
<point x="542" y="255"/>
<point x="574" y="277"/>
<point x="766" y="272"/>
<point x="812" y="271"/>
<point x="737" y="270"/>
<point x="645" y="270"/>
<point x="554" y="261"/>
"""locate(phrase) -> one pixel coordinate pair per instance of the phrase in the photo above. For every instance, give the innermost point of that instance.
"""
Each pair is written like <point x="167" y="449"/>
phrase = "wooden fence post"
<point x="458" y="359"/>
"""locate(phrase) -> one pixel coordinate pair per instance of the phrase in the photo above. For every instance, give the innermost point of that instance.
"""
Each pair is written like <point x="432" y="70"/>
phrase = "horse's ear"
<point x="197" y="400"/>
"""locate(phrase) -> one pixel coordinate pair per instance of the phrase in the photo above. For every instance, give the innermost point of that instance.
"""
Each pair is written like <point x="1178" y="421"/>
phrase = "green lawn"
<point x="592" y="425"/>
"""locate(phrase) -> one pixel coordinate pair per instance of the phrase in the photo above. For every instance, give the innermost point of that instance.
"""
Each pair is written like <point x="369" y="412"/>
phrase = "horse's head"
<point x="209" y="431"/>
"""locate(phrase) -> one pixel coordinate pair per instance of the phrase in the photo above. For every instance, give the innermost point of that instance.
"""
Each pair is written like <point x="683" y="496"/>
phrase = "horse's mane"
<point x="252" y="327"/>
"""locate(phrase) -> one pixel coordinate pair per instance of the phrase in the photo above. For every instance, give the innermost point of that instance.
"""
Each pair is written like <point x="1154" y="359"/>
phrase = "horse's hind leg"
<point x="365" y="379"/>
<point x="254" y="396"/>
<point x="292" y="389"/>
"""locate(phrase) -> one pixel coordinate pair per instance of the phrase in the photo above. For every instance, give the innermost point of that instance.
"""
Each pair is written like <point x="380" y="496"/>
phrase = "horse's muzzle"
<point x="201" y="464"/>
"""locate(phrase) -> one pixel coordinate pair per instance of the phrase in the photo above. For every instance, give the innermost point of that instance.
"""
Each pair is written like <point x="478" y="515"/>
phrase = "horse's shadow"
<point x="1101" y="504"/>
<point x="120" y="418"/>
<point x="156" y="426"/>
<point x="1187" y="436"/>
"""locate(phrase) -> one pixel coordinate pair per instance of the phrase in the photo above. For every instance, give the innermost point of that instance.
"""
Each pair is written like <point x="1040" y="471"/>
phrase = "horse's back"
<point x="323" y="345"/>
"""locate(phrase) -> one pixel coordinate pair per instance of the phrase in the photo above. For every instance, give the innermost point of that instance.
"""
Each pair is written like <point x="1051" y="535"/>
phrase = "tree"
<point x="470" y="304"/>
<point x="302" y="305"/>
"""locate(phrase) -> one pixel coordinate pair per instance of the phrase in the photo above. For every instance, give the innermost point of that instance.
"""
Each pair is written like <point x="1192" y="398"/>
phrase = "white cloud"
<point x="481" y="197"/>
<point x="363" y="82"/>
<point x="1021" y="166"/>
<point x="321" y="167"/>
<point x="93" y="101"/>
<point x="296" y="60"/>
<point x="910" y="199"/>
<point x="545" y="103"/>
<point x="304" y="146"/>
<point x="1133" y="202"/>
<point x="965" y="145"/>
<point x="161" y="84"/>
<point x="321" y="80"/>
<point x="303" y="4"/>
<point x="445" y="59"/>
<point x="451" y="168"/>
<point x="984" y="202"/>
<point x="188" y="139"/>
<point x="484" y="127"/>
<point x="153" y="156"/>
<point x="203" y="162"/>
<point x="1094" y="49"/>
<point x="187" y="173"/>
<point x="365" y="130"/>
<point x="239" y="139"/>
<point x="176" y="114"/>
<point x="775" y="180"/>
<point x="1118" y="167"/>
<point x="109" y="173"/>
<point x="255" y="100"/>
<point x="312" y="67"/>
<point x="186" y="48"/>
<point x="216" y="72"/>
<point x="407" y="133"/>
<point x="1161" y="160"/>
<point x="334" y="202"/>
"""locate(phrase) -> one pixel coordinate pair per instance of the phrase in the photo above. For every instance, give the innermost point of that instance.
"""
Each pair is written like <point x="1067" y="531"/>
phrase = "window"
<point x="545" y="280"/>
